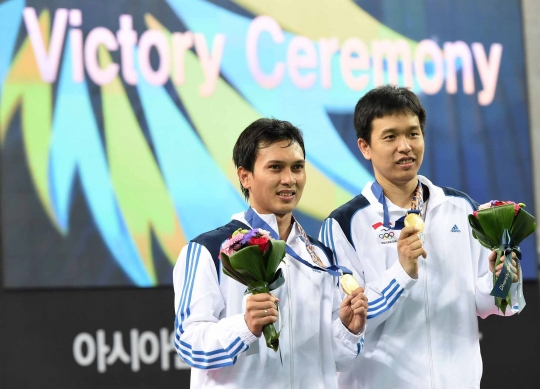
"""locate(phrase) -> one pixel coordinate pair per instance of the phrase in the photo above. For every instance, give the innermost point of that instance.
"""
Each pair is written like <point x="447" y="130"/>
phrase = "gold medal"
<point x="414" y="219"/>
<point x="348" y="283"/>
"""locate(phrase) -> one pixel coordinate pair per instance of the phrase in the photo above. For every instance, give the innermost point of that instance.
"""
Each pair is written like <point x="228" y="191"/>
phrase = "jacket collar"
<point x="436" y="195"/>
<point x="271" y="220"/>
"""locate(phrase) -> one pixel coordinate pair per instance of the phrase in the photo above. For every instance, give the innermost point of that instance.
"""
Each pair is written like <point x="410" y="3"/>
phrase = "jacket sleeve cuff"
<point x="400" y="275"/>
<point x="238" y="322"/>
<point x="343" y="333"/>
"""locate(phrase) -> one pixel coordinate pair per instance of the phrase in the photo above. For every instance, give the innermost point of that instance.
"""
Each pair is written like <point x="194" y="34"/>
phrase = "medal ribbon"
<point x="255" y="221"/>
<point x="417" y="205"/>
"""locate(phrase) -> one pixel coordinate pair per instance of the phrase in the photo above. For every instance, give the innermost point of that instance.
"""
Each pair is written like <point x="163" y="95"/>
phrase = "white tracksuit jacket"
<point x="212" y="336"/>
<point x="420" y="333"/>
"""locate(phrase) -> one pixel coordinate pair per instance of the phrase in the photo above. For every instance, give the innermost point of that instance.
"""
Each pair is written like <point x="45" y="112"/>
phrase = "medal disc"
<point x="414" y="219"/>
<point x="348" y="283"/>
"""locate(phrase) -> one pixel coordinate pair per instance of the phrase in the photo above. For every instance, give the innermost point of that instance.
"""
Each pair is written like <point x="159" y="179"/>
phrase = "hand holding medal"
<point x="411" y="239"/>
<point x="353" y="309"/>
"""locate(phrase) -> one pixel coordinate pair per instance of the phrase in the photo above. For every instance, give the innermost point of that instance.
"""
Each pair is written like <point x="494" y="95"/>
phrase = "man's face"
<point x="396" y="149"/>
<point x="278" y="178"/>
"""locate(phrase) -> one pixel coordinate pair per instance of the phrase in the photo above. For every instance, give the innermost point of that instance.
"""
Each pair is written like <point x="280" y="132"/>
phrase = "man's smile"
<point x="406" y="162"/>
<point x="286" y="194"/>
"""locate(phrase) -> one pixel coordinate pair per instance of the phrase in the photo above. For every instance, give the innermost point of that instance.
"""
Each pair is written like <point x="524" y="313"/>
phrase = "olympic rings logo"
<point x="386" y="235"/>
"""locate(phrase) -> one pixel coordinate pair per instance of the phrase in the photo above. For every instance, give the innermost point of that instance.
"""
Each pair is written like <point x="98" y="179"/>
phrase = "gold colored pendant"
<point x="414" y="219"/>
<point x="348" y="283"/>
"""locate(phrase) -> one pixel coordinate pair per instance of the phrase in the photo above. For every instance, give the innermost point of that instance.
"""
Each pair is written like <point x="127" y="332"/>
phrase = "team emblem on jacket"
<point x="385" y="235"/>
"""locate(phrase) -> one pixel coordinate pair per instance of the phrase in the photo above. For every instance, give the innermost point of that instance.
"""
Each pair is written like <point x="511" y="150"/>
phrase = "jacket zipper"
<point x="428" y="324"/>
<point x="287" y="263"/>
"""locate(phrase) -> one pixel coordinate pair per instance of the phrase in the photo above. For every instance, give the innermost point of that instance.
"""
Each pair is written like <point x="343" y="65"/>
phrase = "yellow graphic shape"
<point x="140" y="189"/>
<point x="25" y="90"/>
<point x="316" y="19"/>
<point x="221" y="118"/>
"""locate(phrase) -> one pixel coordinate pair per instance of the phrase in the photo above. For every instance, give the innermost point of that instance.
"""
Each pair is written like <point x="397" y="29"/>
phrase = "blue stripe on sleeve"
<point x="192" y="261"/>
<point x="371" y="303"/>
<point x="213" y="366"/>
<point x="323" y="233"/>
<point x="387" y="307"/>
<point x="360" y="346"/>
<point x="192" y="282"/>
<point x="210" y="353"/>
<point x="185" y="289"/>
<point x="390" y="294"/>
<point x="197" y="358"/>
<point x="207" y="357"/>
<point x="375" y="307"/>
<point x="183" y="294"/>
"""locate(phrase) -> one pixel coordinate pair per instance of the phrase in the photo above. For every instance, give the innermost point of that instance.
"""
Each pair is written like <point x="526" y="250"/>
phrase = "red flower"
<point x="261" y="242"/>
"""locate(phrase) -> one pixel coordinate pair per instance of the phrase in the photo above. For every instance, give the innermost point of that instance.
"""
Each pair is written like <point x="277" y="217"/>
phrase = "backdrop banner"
<point x="118" y="119"/>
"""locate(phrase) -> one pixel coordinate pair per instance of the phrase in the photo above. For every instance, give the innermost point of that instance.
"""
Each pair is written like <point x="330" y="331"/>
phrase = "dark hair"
<point x="260" y="134"/>
<point x="383" y="101"/>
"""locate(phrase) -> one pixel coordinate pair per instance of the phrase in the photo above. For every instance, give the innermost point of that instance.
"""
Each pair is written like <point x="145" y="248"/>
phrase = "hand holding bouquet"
<point x="252" y="258"/>
<point x="502" y="226"/>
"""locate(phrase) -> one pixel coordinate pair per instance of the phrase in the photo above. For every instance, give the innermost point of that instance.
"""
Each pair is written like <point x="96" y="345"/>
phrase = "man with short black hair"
<point x="218" y="329"/>
<point x="426" y="283"/>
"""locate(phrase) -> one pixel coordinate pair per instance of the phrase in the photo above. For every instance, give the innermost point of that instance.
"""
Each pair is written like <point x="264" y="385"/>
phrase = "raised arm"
<point x="385" y="291"/>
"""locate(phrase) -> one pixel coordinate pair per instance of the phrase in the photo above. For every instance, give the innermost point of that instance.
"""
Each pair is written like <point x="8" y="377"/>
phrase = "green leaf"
<point x="252" y="268"/>
<point x="246" y="274"/>
<point x="502" y="305"/>
<point x="478" y="233"/>
<point x="249" y="261"/>
<point x="271" y="337"/>
<point x="524" y="225"/>
<point x="235" y="276"/>
<point x="484" y="241"/>
<point x="231" y="272"/>
<point x="277" y="280"/>
<point x="475" y="224"/>
<point x="495" y="220"/>
<point x="276" y="253"/>
<point x="258" y="287"/>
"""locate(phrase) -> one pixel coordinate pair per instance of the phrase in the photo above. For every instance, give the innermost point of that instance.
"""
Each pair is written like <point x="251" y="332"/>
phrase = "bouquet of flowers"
<point x="502" y="226"/>
<point x="252" y="258"/>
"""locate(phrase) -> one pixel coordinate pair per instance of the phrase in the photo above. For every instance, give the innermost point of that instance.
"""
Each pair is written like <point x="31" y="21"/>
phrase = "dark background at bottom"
<point x="37" y="329"/>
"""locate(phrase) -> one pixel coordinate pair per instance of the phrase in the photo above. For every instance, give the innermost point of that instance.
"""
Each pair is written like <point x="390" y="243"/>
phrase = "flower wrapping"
<point x="502" y="226"/>
<point x="252" y="258"/>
